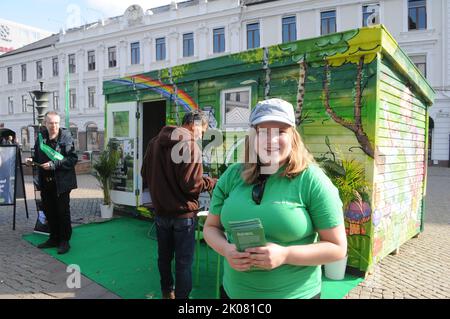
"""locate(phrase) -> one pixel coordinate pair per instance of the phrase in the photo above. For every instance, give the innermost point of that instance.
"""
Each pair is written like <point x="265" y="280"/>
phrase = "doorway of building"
<point x="153" y="120"/>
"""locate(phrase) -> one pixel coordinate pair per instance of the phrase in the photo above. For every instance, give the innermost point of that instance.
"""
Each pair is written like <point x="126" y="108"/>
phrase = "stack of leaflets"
<point x="247" y="234"/>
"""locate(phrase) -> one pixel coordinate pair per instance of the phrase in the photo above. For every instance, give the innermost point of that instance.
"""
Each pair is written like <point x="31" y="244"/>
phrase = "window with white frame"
<point x="236" y="107"/>
<point x="72" y="63"/>
<point x="112" y="57"/>
<point x="74" y="132"/>
<point x="91" y="60"/>
<point x="10" y="105"/>
<point x="219" y="40"/>
<point x="55" y="66"/>
<point x="289" y="27"/>
<point x="370" y="14"/>
<point x="328" y="22"/>
<point x="24" y="104"/>
<point x="253" y="35"/>
<point x="417" y="14"/>
<point x="92" y="137"/>
<point x="10" y="75"/>
<point x="25" y="136"/>
<point x="73" y="98"/>
<point x="135" y="53"/>
<point x="56" y="100"/>
<point x="421" y="63"/>
<point x="188" y="44"/>
<point x="38" y="69"/>
<point x="24" y="72"/>
<point x="91" y="95"/>
<point x="160" y="49"/>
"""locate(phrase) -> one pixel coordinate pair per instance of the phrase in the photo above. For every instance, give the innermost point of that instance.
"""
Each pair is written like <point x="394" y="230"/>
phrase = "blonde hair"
<point x="298" y="160"/>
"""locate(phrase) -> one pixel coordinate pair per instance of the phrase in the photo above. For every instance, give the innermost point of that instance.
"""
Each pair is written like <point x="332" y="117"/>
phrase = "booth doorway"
<point x="153" y="120"/>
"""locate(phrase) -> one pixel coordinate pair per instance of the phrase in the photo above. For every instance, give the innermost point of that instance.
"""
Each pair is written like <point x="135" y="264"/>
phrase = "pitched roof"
<point x="41" y="44"/>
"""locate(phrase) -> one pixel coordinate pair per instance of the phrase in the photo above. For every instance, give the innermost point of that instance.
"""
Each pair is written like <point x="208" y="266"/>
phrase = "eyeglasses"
<point x="258" y="191"/>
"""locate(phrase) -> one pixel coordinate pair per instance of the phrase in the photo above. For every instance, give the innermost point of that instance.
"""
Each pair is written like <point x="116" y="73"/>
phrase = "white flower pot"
<point x="336" y="269"/>
<point x="106" y="211"/>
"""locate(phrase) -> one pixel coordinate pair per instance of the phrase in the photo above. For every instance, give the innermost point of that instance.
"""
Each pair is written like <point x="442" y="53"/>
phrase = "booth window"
<point x="24" y="72"/>
<point x="92" y="141"/>
<point x="236" y="107"/>
<point x="289" y="29"/>
<point x="417" y="14"/>
<point x="327" y="22"/>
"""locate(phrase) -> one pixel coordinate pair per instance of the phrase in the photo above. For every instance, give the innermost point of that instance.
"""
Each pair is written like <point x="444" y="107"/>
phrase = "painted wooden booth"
<point x="357" y="96"/>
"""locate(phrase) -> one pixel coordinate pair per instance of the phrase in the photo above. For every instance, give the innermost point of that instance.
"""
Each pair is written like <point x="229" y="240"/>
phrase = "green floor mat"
<point x="121" y="256"/>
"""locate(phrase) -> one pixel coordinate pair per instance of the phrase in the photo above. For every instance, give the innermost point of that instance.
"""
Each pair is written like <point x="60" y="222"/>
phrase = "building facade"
<point x="140" y="41"/>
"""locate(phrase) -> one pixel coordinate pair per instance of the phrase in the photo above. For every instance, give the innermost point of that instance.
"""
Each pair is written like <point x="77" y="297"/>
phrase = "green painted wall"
<point x="355" y="89"/>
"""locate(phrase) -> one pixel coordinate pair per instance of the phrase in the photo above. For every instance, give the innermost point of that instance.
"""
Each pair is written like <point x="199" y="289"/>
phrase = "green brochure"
<point x="247" y="234"/>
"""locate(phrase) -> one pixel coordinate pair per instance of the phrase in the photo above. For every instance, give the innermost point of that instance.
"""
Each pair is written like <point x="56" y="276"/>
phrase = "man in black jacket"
<point x="54" y="152"/>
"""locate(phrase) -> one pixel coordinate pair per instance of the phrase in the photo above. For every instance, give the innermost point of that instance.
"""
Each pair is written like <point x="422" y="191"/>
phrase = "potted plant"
<point x="104" y="168"/>
<point x="348" y="176"/>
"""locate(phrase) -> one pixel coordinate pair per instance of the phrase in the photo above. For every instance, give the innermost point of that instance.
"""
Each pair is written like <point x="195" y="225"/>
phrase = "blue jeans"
<point x="176" y="236"/>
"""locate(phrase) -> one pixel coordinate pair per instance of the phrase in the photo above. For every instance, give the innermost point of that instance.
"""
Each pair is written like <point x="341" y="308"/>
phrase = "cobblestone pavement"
<point x="28" y="273"/>
<point x="421" y="270"/>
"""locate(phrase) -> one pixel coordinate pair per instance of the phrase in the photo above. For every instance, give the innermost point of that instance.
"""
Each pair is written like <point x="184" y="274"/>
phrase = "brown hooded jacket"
<point x="173" y="170"/>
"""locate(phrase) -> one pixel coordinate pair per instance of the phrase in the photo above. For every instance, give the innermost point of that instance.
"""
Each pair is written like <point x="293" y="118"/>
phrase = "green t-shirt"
<point x="291" y="212"/>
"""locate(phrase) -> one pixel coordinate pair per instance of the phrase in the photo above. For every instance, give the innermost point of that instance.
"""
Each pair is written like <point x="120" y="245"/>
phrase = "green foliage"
<point x="352" y="185"/>
<point x="104" y="168"/>
<point x="347" y="175"/>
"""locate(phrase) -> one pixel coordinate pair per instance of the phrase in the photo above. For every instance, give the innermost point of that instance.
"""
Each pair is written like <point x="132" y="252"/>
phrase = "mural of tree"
<point x="356" y="126"/>
<point x="347" y="49"/>
<point x="303" y="67"/>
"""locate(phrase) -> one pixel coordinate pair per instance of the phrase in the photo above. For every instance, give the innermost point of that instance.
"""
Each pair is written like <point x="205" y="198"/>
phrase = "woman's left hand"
<point x="268" y="257"/>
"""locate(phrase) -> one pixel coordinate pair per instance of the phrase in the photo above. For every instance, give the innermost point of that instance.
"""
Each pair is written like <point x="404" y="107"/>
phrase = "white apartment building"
<point x="144" y="40"/>
<point x="15" y="35"/>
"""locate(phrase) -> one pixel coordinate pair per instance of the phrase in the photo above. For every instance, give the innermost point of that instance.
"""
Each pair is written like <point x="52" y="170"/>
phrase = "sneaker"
<point x="63" y="247"/>
<point x="168" y="295"/>
<point x="48" y="244"/>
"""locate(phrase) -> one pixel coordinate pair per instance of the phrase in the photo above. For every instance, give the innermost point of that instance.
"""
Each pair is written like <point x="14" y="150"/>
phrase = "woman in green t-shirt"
<point x="297" y="205"/>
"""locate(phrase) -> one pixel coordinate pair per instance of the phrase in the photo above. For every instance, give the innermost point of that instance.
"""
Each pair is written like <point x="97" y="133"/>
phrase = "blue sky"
<point x="52" y="15"/>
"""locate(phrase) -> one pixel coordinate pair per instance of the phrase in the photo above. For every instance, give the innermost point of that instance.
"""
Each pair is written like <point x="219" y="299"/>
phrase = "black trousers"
<point x="57" y="212"/>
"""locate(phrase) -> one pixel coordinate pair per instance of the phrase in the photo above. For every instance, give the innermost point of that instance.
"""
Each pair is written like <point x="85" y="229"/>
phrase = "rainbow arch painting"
<point x="166" y="90"/>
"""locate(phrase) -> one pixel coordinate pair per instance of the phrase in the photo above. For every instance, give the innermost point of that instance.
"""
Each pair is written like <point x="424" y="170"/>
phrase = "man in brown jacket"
<point x="173" y="170"/>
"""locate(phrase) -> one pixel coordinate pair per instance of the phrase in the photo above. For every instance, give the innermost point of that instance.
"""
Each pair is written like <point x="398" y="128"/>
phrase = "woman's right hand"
<point x="237" y="260"/>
